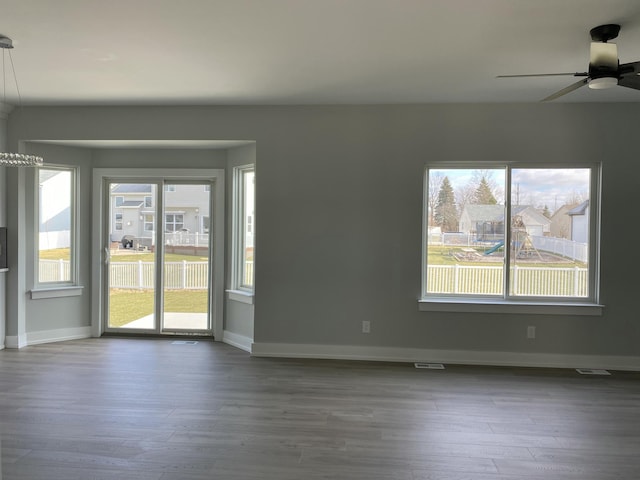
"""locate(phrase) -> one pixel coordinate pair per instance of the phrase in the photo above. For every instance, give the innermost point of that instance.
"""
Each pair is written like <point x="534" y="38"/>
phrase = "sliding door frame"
<point x="99" y="237"/>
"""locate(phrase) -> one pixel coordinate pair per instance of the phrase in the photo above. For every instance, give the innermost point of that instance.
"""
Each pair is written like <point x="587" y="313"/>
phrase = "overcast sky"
<point x="553" y="187"/>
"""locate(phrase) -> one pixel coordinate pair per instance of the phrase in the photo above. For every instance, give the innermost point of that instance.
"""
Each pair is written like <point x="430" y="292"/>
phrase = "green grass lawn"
<point x="442" y="255"/>
<point x="63" y="254"/>
<point x="55" y="254"/>
<point x="128" y="305"/>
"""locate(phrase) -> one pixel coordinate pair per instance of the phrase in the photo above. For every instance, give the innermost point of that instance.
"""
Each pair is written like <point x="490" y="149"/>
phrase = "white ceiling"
<point x="206" y="52"/>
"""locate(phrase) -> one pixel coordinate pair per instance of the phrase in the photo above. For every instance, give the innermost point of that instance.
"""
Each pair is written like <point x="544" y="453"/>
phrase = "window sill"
<point x="56" y="292"/>
<point x="502" y="306"/>
<point x="240" y="296"/>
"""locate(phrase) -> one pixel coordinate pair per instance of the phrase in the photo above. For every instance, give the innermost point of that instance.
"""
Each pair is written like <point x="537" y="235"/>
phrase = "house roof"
<point x="532" y="213"/>
<point x="495" y="213"/>
<point x="580" y="209"/>
<point x="484" y="213"/>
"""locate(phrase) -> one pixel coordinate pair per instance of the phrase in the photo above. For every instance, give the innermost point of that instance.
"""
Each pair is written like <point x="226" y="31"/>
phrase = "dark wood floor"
<point x="117" y="408"/>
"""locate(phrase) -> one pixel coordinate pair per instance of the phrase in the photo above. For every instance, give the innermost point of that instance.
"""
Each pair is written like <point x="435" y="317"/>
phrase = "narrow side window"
<point x="244" y="230"/>
<point x="56" y="204"/>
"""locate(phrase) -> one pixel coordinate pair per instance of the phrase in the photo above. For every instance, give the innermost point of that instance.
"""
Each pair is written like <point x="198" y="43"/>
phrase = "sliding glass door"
<point x="186" y="259"/>
<point x="158" y="259"/>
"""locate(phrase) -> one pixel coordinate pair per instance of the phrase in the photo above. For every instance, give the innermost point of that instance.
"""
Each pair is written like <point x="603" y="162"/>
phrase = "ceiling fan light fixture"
<point x="603" y="82"/>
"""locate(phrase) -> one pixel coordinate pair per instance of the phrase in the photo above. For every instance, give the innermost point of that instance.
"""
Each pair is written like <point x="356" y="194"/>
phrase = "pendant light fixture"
<point x="13" y="159"/>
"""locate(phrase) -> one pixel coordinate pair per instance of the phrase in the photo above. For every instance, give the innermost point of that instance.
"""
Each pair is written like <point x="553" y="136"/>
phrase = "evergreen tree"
<point x="483" y="194"/>
<point x="546" y="212"/>
<point x="446" y="213"/>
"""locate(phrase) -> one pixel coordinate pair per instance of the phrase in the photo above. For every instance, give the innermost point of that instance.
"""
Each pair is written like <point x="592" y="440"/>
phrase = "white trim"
<point x="595" y="196"/>
<point x="238" y="341"/>
<point x="504" y="306"/>
<point x="58" y="335"/>
<point x="464" y="357"/>
<point x="56" y="292"/>
<point x="16" y="341"/>
<point x="238" y="224"/>
<point x="158" y="175"/>
<point x="240" y="296"/>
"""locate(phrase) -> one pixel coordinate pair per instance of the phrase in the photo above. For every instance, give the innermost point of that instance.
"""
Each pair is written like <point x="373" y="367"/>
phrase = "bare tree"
<point x="465" y="195"/>
<point x="435" y="183"/>
<point x="575" y="198"/>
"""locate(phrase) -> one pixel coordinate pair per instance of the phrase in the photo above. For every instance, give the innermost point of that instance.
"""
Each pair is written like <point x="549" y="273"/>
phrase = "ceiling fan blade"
<point x="630" y="75"/>
<point x="564" y="91"/>
<point x="576" y="74"/>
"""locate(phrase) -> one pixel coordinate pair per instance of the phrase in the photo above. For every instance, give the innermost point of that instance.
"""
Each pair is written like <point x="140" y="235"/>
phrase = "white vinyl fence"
<point x="525" y="281"/>
<point x="140" y="275"/>
<point x="177" y="275"/>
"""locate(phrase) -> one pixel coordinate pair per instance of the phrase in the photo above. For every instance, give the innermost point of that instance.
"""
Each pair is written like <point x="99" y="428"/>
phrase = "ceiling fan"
<point x="605" y="70"/>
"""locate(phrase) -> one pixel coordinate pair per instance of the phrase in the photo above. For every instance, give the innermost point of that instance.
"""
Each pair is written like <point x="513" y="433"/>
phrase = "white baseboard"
<point x="462" y="357"/>
<point x="58" y="335"/>
<point x="16" y="341"/>
<point x="238" y="341"/>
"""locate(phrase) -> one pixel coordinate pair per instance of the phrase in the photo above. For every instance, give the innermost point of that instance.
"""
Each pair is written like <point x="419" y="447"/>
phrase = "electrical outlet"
<point x="366" y="326"/>
<point x="531" y="331"/>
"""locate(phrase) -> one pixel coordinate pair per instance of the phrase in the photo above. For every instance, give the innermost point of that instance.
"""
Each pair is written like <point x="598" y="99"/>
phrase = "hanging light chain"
<point x="8" y="159"/>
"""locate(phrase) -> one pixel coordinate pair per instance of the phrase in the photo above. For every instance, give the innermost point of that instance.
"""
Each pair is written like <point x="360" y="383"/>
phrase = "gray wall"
<point x="339" y="196"/>
<point x="68" y="312"/>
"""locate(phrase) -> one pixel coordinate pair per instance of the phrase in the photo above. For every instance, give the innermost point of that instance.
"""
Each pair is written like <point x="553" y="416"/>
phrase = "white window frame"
<point x="515" y="304"/>
<point x="238" y="229"/>
<point x="73" y="235"/>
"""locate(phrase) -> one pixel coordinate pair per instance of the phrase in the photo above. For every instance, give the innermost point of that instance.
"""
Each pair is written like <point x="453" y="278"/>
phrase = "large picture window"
<point x="511" y="232"/>
<point x="243" y="232"/>
<point x="56" y="199"/>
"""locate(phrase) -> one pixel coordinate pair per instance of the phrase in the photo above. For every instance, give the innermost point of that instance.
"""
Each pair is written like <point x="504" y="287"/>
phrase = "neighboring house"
<point x="580" y="222"/>
<point x="561" y="222"/>
<point x="133" y="210"/>
<point x="487" y="221"/>
<point x="55" y="213"/>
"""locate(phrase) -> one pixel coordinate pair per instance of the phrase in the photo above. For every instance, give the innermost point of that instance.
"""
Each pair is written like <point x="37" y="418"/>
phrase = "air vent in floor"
<point x="184" y="342"/>
<point x="591" y="371"/>
<point x="431" y="366"/>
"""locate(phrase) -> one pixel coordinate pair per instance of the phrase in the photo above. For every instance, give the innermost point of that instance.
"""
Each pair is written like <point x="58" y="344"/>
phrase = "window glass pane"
<point x="174" y="222"/>
<point x="465" y="231"/>
<point x="148" y="223"/>
<point x="55" y="225"/>
<point x="248" y="194"/>
<point x="549" y="232"/>
<point x="118" y="223"/>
